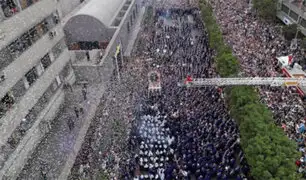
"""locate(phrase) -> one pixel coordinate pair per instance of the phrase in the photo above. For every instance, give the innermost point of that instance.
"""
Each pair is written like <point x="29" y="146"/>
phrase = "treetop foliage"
<point x="269" y="152"/>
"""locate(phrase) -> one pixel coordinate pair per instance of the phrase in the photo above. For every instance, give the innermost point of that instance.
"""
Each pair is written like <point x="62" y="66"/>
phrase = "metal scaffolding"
<point x="251" y="81"/>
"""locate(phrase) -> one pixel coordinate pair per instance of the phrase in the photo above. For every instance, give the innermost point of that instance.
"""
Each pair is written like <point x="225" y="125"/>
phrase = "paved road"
<point x="135" y="32"/>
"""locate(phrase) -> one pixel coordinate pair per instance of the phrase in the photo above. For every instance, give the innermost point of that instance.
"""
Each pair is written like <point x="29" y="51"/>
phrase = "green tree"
<point x="266" y="9"/>
<point x="270" y="154"/>
<point x="103" y="176"/>
<point x="227" y="64"/>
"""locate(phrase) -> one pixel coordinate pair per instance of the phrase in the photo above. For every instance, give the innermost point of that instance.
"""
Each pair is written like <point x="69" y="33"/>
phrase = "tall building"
<point x="34" y="66"/>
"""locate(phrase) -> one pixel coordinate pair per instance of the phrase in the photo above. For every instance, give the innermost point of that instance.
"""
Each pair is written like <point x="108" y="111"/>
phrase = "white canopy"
<point x="92" y="22"/>
<point x="103" y="10"/>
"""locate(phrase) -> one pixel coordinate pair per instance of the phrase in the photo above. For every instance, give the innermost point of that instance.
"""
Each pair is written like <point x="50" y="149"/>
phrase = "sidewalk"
<point x="134" y="34"/>
<point x="60" y="147"/>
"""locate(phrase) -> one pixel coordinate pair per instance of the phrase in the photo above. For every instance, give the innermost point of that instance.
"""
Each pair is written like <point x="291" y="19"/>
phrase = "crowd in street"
<point x="257" y="44"/>
<point x="185" y="133"/>
<point x="198" y="139"/>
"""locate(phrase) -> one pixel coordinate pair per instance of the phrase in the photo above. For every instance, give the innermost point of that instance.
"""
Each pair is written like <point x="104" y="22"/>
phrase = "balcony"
<point x="14" y="117"/>
<point x="21" y="22"/>
<point x="20" y="88"/>
<point x="16" y="70"/>
<point x="15" y="157"/>
<point x="26" y="40"/>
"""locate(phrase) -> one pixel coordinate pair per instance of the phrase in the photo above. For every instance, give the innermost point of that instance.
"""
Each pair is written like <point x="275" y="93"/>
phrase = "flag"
<point x="290" y="57"/>
<point x="188" y="79"/>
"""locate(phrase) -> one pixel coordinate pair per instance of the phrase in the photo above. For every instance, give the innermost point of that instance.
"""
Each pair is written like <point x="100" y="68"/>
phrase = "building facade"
<point x="292" y="11"/>
<point x="45" y="44"/>
<point x="34" y="66"/>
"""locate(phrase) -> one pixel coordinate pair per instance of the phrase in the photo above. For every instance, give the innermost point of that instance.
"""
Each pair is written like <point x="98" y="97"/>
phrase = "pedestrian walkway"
<point x="60" y="147"/>
<point x="134" y="34"/>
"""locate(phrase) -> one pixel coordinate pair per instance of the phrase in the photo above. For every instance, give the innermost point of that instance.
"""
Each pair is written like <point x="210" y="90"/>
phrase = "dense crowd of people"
<point x="257" y="44"/>
<point x="185" y="133"/>
<point x="202" y="141"/>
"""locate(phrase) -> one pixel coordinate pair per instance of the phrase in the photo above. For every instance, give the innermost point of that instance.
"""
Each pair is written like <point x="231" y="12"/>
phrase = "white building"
<point x="98" y="35"/>
<point x="34" y="64"/>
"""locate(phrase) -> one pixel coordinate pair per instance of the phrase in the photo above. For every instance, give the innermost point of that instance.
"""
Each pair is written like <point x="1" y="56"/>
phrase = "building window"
<point x="285" y="8"/>
<point x="74" y="46"/>
<point x="46" y="61"/>
<point x="131" y="18"/>
<point x="40" y="29"/>
<point x="18" y="90"/>
<point x="303" y="23"/>
<point x="6" y="103"/>
<point x="293" y="15"/>
<point x="9" y="7"/>
<point x="26" y="40"/>
<point x="16" y="48"/>
<point x="31" y="76"/>
<point x="20" y="45"/>
<point x="5" y="58"/>
<point x="26" y="3"/>
<point x="34" y="36"/>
